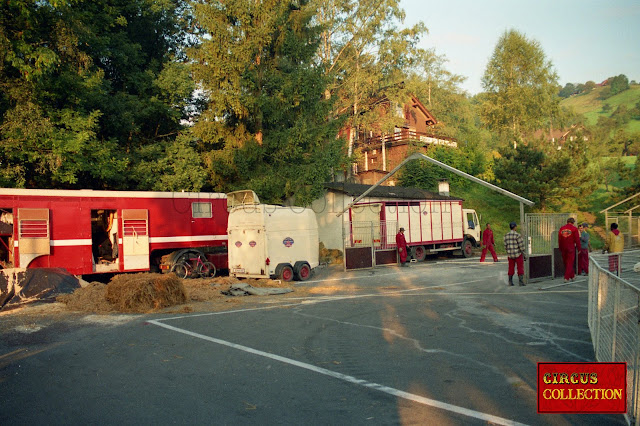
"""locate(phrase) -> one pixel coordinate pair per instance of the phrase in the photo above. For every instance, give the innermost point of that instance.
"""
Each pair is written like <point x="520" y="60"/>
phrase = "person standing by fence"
<point x="488" y="244"/>
<point x="614" y="244"/>
<point x="401" y="242"/>
<point x="585" y="248"/>
<point x="568" y="242"/>
<point x="514" y="246"/>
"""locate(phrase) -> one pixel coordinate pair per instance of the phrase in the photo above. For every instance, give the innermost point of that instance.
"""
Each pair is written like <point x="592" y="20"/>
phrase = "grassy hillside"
<point x="590" y="106"/>
<point x="499" y="209"/>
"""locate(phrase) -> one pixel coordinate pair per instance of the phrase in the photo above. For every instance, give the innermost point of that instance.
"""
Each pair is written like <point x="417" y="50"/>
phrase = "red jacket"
<point x="487" y="237"/>
<point x="401" y="242"/>
<point x="568" y="238"/>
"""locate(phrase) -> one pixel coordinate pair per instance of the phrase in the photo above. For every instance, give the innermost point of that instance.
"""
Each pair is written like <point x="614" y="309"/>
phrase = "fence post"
<point x="616" y="301"/>
<point x="636" y="376"/>
<point x="597" y="301"/>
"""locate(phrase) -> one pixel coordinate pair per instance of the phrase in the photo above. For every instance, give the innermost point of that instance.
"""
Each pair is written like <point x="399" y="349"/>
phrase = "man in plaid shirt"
<point x="514" y="246"/>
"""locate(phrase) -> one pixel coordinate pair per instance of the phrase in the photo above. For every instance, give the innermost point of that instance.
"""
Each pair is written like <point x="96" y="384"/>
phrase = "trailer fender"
<point x="301" y="270"/>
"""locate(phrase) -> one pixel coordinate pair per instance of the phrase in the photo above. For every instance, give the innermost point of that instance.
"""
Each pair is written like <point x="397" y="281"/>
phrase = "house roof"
<point x="398" y="192"/>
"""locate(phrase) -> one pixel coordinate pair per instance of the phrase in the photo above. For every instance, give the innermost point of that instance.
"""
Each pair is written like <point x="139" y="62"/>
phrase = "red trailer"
<point x="91" y="232"/>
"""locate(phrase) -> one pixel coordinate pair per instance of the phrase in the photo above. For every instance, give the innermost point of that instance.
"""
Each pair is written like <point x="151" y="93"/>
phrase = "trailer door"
<point x="247" y="256"/>
<point x="34" y="234"/>
<point x="135" y="239"/>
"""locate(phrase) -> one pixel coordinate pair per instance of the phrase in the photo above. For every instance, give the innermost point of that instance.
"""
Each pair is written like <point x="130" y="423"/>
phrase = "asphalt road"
<point x="441" y="342"/>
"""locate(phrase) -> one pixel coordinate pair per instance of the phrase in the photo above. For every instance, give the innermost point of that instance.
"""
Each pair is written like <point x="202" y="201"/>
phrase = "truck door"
<point x="34" y="234"/>
<point x="135" y="239"/>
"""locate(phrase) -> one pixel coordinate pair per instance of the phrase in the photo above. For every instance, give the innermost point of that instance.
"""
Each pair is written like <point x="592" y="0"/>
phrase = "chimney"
<point x="443" y="187"/>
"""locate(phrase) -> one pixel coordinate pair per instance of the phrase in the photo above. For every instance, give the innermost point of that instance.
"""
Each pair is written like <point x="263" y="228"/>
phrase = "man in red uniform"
<point x="568" y="241"/>
<point x="402" y="247"/>
<point x="488" y="243"/>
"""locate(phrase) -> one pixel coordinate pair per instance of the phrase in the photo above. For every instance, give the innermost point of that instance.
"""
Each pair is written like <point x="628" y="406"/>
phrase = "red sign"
<point x="582" y="387"/>
<point x="252" y="243"/>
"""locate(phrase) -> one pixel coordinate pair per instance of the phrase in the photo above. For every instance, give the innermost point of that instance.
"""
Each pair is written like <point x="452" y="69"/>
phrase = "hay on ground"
<point x="89" y="298"/>
<point x="145" y="292"/>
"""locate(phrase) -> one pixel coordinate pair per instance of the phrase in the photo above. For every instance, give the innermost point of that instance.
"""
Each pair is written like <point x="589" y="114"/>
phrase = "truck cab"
<point x="472" y="227"/>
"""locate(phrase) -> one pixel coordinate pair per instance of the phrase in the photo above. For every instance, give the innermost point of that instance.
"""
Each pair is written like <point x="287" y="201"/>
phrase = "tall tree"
<point x="366" y="56"/>
<point x="521" y="86"/>
<point x="84" y="87"/>
<point x="265" y="125"/>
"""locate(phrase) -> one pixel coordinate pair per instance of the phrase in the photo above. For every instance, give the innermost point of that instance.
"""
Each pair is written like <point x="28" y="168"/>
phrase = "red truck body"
<point x="90" y="232"/>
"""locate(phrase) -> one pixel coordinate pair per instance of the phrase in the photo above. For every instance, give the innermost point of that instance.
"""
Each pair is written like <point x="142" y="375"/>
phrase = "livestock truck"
<point x="267" y="241"/>
<point x="431" y="226"/>
<point x="91" y="232"/>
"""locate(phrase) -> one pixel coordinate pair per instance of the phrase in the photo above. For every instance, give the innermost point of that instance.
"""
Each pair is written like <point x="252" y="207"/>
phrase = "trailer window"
<point x="201" y="210"/>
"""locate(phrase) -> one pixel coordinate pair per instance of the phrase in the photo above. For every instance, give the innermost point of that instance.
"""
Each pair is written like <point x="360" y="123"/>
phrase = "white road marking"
<point x="349" y="379"/>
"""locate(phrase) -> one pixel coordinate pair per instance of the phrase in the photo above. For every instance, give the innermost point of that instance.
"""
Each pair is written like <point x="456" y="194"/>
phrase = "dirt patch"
<point x="145" y="292"/>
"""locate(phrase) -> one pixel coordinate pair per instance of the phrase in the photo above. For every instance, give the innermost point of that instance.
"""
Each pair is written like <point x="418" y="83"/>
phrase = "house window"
<point x="201" y="210"/>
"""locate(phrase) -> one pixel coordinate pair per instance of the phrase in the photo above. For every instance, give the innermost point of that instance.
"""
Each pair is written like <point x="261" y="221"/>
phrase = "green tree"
<point x="618" y="84"/>
<point x="266" y="123"/>
<point x="84" y="87"/>
<point x="425" y="175"/>
<point x="366" y="57"/>
<point x="520" y="86"/>
<point x="548" y="178"/>
<point x="568" y="90"/>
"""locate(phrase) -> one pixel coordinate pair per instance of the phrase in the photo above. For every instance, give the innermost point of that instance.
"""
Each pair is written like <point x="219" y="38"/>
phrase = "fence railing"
<point x="614" y="316"/>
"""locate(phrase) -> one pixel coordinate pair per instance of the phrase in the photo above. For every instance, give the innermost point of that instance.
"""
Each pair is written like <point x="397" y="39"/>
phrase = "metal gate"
<point x="545" y="260"/>
<point x="369" y="243"/>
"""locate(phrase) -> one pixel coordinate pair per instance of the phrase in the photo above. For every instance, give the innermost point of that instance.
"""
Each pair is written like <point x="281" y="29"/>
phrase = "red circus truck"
<point x="93" y="232"/>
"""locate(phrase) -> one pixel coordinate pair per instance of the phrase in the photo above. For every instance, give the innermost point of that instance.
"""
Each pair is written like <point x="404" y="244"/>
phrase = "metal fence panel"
<point x="614" y="317"/>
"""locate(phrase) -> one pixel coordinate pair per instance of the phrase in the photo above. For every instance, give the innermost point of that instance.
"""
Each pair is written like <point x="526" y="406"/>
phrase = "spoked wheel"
<point x="207" y="270"/>
<point x="182" y="270"/>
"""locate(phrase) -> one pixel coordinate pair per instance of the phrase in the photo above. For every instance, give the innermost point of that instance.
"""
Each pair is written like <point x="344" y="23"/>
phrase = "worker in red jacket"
<point x="568" y="242"/>
<point x="401" y="242"/>
<point x="488" y="244"/>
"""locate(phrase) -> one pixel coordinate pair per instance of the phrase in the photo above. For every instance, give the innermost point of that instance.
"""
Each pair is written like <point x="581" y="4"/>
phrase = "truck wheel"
<point x="284" y="272"/>
<point x="419" y="253"/>
<point x="301" y="271"/>
<point x="467" y="248"/>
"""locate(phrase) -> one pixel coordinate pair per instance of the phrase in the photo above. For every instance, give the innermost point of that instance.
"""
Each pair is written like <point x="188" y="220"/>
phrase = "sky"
<point x="584" y="39"/>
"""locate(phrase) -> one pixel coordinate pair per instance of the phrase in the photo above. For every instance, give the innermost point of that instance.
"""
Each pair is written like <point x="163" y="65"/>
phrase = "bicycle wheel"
<point x="207" y="270"/>
<point x="182" y="270"/>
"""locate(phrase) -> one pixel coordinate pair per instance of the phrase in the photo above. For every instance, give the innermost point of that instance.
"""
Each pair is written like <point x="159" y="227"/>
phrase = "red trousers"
<point x="583" y="261"/>
<point x="517" y="261"/>
<point x="493" y="253"/>
<point x="569" y="260"/>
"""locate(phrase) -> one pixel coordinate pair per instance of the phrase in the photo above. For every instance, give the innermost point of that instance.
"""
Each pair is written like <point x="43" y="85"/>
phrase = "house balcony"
<point x="405" y="137"/>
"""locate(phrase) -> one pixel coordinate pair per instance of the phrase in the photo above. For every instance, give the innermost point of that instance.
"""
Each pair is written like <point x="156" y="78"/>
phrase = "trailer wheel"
<point x="467" y="248"/>
<point x="284" y="272"/>
<point x="419" y="253"/>
<point x="301" y="271"/>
